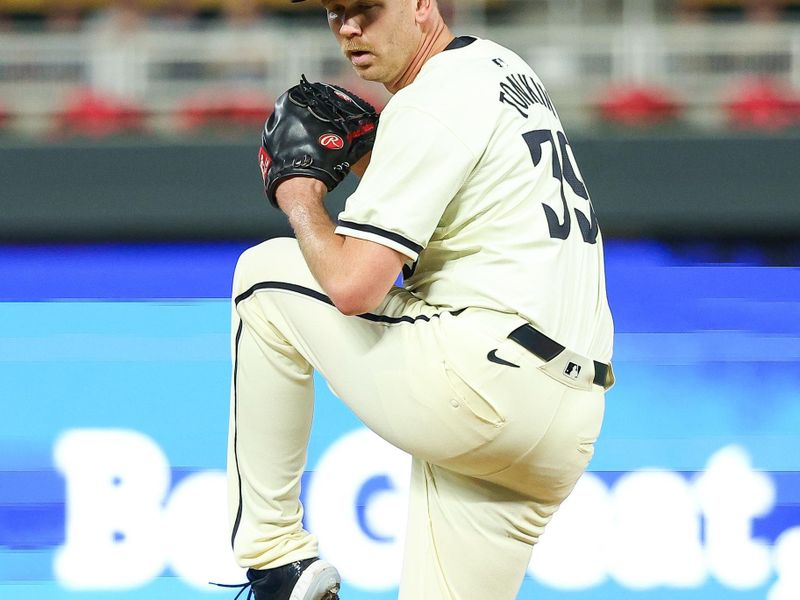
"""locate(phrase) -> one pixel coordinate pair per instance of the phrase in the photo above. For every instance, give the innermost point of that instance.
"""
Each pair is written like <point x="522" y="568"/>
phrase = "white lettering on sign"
<point x="656" y="540"/>
<point x="122" y="530"/>
<point x="732" y="494"/>
<point x="651" y="529"/>
<point x="786" y="560"/>
<point x="116" y="482"/>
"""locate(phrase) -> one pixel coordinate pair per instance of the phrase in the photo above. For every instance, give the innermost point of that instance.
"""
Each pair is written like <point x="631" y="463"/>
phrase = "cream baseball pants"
<point x="496" y="447"/>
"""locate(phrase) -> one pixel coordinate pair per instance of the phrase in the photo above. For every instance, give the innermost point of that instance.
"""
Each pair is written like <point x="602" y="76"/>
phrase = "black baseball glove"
<point x="317" y="130"/>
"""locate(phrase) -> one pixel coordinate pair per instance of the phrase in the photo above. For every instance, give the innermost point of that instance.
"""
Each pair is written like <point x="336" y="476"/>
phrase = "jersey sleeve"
<point x="417" y="166"/>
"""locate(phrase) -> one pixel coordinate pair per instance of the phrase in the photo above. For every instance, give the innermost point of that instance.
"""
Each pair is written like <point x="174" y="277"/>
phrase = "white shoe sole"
<point x="320" y="581"/>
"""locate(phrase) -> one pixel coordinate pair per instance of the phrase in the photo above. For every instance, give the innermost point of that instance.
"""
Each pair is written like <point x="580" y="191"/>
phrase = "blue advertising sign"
<point x="114" y="380"/>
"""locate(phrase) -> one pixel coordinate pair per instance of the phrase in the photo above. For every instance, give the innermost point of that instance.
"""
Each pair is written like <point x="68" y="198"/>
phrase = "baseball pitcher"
<point x="489" y="365"/>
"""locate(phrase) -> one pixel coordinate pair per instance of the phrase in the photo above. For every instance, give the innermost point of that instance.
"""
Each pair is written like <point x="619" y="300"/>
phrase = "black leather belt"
<point x="542" y="346"/>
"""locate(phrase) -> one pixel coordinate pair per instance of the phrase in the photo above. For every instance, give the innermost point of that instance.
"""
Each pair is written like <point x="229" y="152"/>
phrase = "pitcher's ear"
<point x="424" y="9"/>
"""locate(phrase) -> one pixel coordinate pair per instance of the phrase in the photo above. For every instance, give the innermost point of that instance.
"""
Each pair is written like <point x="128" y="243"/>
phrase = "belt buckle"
<point x="610" y="378"/>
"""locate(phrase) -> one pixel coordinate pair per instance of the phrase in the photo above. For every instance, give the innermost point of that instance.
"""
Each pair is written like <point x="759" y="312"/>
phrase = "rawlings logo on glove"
<point x="331" y="141"/>
<point x="317" y="130"/>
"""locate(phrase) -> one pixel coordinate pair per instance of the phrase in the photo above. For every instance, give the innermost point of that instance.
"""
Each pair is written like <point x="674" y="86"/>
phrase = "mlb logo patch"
<point x="572" y="371"/>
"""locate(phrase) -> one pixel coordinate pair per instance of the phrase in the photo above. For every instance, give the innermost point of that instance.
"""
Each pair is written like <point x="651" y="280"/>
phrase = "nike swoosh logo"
<point x="492" y="356"/>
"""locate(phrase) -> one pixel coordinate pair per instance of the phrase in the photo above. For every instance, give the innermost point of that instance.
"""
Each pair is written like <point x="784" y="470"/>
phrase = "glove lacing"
<point x="318" y="98"/>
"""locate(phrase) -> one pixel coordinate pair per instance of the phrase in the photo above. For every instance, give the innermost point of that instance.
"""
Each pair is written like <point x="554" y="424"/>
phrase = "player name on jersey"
<point x="522" y="91"/>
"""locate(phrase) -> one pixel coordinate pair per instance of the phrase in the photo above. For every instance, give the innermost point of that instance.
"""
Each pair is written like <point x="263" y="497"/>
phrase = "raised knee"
<point x="267" y="252"/>
<point x="273" y="260"/>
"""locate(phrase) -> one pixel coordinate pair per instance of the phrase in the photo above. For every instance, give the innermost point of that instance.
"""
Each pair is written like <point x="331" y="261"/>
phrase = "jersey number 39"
<point x="588" y="226"/>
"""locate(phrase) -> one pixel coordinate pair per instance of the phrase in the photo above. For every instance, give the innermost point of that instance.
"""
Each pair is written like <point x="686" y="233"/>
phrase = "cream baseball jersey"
<point x="474" y="180"/>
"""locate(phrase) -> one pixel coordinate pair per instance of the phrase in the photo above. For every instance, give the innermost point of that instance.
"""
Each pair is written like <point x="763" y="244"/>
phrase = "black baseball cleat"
<point x="309" y="579"/>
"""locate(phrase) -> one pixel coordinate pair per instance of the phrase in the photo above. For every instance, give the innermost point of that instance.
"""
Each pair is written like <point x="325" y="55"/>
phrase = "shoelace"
<point x="243" y="587"/>
<point x="249" y="584"/>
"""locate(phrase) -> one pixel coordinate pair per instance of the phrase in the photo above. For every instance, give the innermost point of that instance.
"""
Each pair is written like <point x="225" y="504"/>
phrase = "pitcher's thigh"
<point x="385" y="366"/>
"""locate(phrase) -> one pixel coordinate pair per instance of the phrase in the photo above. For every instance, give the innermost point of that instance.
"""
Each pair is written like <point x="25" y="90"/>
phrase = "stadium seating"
<point x="94" y="114"/>
<point x="215" y="108"/>
<point x="639" y="105"/>
<point x="762" y="103"/>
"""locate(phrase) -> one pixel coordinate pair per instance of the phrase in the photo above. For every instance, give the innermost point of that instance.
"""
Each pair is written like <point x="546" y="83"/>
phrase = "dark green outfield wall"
<point x="641" y="186"/>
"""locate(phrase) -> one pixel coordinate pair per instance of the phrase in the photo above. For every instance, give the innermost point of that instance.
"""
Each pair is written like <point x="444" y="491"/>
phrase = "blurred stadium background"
<point x="129" y="185"/>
